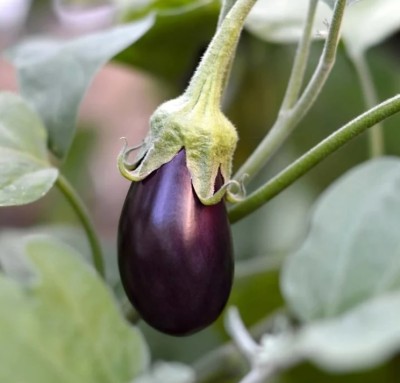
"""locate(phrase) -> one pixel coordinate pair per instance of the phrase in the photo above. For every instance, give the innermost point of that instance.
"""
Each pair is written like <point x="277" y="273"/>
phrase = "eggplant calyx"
<point x="207" y="136"/>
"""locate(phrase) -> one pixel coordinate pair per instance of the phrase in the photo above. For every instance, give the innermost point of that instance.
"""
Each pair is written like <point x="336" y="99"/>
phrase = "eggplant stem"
<point x="81" y="211"/>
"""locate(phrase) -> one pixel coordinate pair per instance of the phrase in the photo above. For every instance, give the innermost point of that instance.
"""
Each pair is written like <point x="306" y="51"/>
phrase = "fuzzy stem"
<point x="313" y="157"/>
<point x="80" y="209"/>
<point x="288" y="119"/>
<point x="217" y="58"/>
<point x="225" y="8"/>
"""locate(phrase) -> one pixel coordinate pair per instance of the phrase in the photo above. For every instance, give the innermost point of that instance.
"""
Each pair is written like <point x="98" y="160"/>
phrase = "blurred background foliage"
<point x="166" y="58"/>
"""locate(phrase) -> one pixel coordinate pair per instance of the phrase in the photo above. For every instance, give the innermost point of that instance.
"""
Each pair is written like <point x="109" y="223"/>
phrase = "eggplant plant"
<point x="209" y="192"/>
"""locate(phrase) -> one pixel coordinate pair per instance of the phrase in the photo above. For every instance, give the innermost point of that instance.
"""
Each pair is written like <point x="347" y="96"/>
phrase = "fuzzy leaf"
<point x="25" y="171"/>
<point x="61" y="325"/>
<point x="359" y="339"/>
<point x="54" y="75"/>
<point x="352" y="252"/>
<point x="282" y="21"/>
<point x="366" y="22"/>
<point x="174" y="45"/>
<point x="168" y="373"/>
<point x="369" y="22"/>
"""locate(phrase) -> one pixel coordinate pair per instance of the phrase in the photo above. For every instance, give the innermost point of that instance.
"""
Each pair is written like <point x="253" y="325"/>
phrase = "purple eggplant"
<point x="175" y="254"/>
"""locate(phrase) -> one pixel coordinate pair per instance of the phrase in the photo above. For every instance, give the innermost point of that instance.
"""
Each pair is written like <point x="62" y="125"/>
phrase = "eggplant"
<point x="175" y="255"/>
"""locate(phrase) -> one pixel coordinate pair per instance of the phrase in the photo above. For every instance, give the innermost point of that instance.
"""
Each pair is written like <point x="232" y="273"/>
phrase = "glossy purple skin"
<point x="175" y="254"/>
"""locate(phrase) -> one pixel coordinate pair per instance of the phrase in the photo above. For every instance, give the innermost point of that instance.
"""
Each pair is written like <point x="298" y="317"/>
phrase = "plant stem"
<point x="257" y="376"/>
<point x="81" y="211"/>
<point x="325" y="64"/>
<point x="238" y="332"/>
<point x="313" y="157"/>
<point x="216" y="62"/>
<point x="288" y="119"/>
<point x="301" y="59"/>
<point x="375" y="135"/>
<point x="225" y="8"/>
<point x="227" y="357"/>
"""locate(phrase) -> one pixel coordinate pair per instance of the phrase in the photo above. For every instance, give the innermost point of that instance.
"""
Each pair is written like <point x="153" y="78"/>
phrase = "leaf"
<point x="64" y="325"/>
<point x="359" y="339"/>
<point x="344" y="281"/>
<point x="362" y="338"/>
<point x="12" y="257"/>
<point x="25" y="171"/>
<point x="168" y="373"/>
<point x="306" y="373"/>
<point x="282" y="21"/>
<point x="54" y="75"/>
<point x="368" y="23"/>
<point x="352" y="252"/>
<point x="173" y="47"/>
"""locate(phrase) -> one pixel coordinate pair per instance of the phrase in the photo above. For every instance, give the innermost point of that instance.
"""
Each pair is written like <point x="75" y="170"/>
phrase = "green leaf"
<point x="173" y="47"/>
<point x="344" y="281"/>
<point x="25" y="171"/>
<point x="282" y="21"/>
<point x="352" y="252"/>
<point x="166" y="7"/>
<point x="370" y="22"/>
<point x="366" y="22"/>
<point x="362" y="338"/>
<point x="62" y="326"/>
<point x="83" y="3"/>
<point x="168" y="373"/>
<point x="54" y="75"/>
<point x="306" y="373"/>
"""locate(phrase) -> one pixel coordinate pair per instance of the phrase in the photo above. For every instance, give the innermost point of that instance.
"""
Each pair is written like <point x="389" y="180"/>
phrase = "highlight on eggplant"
<point x="175" y="254"/>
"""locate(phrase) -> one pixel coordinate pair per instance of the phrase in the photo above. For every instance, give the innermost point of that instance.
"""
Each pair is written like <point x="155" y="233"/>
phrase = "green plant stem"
<point x="301" y="59"/>
<point x="313" y="157"/>
<point x="81" y="211"/>
<point x="288" y="119"/>
<point x="225" y="8"/>
<point x="216" y="62"/>
<point x="375" y="135"/>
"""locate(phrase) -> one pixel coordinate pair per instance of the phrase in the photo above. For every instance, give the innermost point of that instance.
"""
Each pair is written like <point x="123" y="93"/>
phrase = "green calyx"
<point x="195" y="122"/>
<point x="207" y="136"/>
